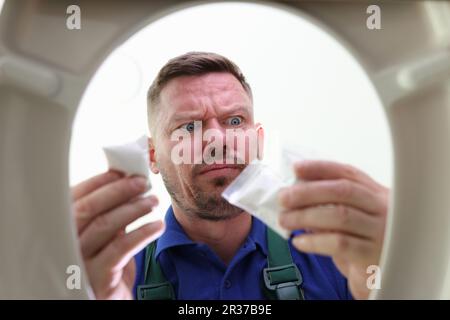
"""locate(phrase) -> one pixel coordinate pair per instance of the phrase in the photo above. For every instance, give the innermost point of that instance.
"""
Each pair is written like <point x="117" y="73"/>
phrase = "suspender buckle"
<point x="285" y="281"/>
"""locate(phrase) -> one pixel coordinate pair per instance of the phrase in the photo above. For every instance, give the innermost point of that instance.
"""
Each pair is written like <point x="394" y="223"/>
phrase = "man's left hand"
<point x="345" y="210"/>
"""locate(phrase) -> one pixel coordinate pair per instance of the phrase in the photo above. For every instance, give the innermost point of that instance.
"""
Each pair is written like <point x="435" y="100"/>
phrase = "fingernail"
<point x="300" y="241"/>
<point x="299" y="163"/>
<point x="282" y="219"/>
<point x="283" y="197"/>
<point x="148" y="202"/>
<point x="139" y="183"/>
<point x="154" y="200"/>
<point x="298" y="167"/>
<point x="160" y="225"/>
<point x="114" y="174"/>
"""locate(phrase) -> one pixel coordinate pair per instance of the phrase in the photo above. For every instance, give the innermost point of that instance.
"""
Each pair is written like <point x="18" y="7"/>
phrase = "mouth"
<point x="219" y="169"/>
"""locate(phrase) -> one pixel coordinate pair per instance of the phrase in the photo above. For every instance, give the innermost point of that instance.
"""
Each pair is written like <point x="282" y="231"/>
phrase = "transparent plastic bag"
<point x="256" y="189"/>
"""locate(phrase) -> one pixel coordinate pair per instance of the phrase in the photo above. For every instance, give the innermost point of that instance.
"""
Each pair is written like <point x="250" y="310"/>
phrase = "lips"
<point x="215" y="167"/>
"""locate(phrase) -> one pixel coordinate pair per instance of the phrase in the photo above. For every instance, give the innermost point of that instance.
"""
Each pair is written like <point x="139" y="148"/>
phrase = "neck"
<point x="224" y="237"/>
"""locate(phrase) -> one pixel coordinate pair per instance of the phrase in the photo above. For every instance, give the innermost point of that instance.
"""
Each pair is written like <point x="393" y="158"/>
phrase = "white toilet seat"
<point x="45" y="68"/>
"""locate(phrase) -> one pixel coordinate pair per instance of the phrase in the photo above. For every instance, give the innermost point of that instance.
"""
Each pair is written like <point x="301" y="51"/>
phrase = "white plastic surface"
<point x="45" y="68"/>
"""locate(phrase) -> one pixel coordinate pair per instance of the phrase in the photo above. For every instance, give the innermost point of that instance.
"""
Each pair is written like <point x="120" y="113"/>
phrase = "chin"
<point x="213" y="189"/>
<point x="222" y="182"/>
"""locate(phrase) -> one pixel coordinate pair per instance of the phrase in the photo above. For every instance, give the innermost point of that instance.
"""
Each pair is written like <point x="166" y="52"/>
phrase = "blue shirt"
<point x="196" y="272"/>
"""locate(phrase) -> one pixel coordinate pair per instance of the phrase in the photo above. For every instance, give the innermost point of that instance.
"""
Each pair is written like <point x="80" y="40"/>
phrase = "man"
<point x="211" y="249"/>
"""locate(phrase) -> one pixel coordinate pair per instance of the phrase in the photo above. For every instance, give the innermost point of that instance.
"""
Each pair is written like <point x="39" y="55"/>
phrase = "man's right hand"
<point x="104" y="205"/>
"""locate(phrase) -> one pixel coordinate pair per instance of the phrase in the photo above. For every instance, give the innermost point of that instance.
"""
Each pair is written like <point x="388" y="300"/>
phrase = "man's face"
<point x="218" y="102"/>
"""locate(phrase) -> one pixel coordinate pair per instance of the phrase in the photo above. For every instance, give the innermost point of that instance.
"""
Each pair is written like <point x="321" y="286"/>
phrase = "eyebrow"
<point x="238" y="108"/>
<point x="196" y="115"/>
<point x="184" y="115"/>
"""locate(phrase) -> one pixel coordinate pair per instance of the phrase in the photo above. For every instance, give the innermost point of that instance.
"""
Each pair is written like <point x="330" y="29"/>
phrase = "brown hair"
<point x="191" y="64"/>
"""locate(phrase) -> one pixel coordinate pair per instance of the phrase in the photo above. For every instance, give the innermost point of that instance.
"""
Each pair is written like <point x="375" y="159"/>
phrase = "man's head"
<point x="210" y="90"/>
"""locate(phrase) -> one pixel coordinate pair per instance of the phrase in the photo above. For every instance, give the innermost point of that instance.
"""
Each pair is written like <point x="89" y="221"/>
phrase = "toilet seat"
<point x="45" y="69"/>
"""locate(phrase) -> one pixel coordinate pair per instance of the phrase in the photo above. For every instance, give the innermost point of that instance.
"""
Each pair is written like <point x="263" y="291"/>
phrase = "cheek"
<point x="163" y="162"/>
<point x="246" y="145"/>
<point x="184" y="172"/>
<point x="178" y="174"/>
<point x="164" y="152"/>
<point x="187" y="150"/>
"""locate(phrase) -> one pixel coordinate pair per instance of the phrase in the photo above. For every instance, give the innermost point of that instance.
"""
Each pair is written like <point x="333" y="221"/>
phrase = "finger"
<point x="321" y="192"/>
<point x="108" y="225"/>
<point x="342" y="265"/>
<point x="117" y="254"/>
<point x="107" y="198"/>
<point x="86" y="187"/>
<point x="329" y="170"/>
<point x="129" y="272"/>
<point x="338" y="245"/>
<point x="337" y="218"/>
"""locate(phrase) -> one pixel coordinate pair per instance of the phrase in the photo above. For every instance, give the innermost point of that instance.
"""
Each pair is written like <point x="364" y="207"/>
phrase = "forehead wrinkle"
<point x="208" y="94"/>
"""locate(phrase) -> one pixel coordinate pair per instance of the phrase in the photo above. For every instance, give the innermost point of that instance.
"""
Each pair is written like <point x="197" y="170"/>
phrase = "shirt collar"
<point x="258" y="234"/>
<point x="174" y="234"/>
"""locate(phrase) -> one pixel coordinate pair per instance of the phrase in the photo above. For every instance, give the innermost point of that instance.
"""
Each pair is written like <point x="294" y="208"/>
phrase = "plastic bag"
<point x="256" y="189"/>
<point x="130" y="158"/>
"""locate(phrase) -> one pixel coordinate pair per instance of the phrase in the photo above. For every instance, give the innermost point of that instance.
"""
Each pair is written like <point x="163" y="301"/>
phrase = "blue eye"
<point x="235" y="121"/>
<point x="189" y="127"/>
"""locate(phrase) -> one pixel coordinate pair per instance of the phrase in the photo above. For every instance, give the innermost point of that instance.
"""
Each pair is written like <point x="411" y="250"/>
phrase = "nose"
<point x="214" y="139"/>
<point x="213" y="128"/>
<point x="214" y="124"/>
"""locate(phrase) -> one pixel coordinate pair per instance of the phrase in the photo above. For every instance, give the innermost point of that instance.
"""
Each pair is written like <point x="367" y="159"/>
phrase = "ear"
<point x="152" y="156"/>
<point x="260" y="135"/>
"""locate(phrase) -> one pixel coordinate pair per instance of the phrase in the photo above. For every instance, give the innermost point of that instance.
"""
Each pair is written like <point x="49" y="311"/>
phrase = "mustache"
<point x="225" y="156"/>
<point x="230" y="158"/>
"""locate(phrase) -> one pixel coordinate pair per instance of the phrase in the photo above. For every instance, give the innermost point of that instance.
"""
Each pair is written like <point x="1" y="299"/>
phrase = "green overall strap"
<point x="155" y="286"/>
<point x="282" y="278"/>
